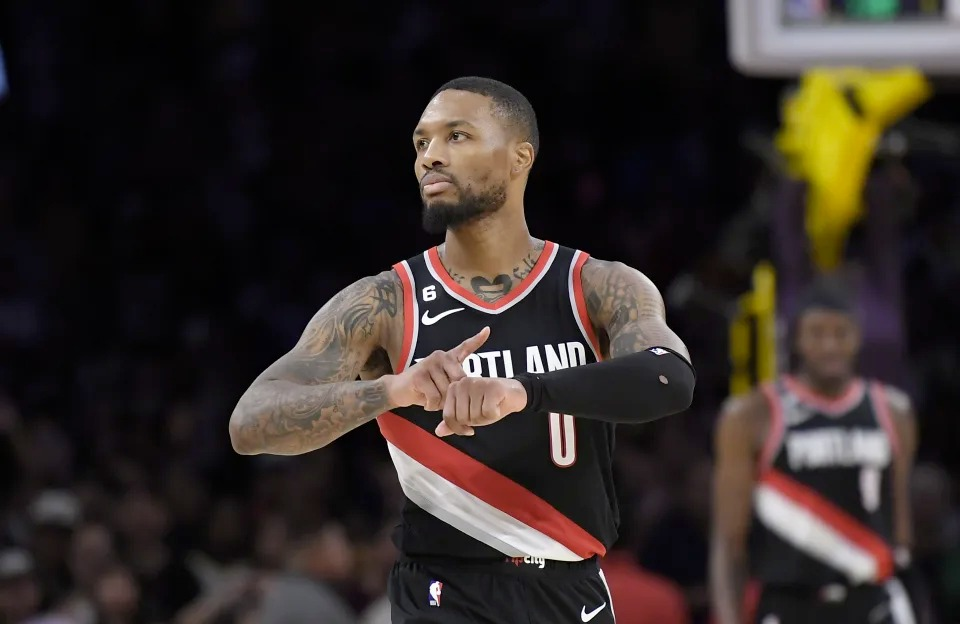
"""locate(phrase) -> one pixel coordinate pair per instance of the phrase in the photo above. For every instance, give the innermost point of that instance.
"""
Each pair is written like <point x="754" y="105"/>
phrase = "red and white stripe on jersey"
<point x="478" y="500"/>
<point x="411" y="313"/>
<point x="802" y="517"/>
<point x="464" y="296"/>
<point x="579" y="303"/>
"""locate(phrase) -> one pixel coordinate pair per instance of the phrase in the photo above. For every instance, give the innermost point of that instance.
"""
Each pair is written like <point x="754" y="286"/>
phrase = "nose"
<point x="832" y="343"/>
<point x="434" y="156"/>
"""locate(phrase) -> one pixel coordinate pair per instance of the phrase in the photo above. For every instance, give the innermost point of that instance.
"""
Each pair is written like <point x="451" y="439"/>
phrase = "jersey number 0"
<point x="563" y="440"/>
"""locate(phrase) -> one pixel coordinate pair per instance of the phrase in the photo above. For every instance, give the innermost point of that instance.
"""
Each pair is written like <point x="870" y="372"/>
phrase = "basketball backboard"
<point x="781" y="38"/>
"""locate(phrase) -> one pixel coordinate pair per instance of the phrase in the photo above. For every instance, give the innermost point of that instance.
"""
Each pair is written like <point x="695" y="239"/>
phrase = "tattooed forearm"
<point x="310" y="396"/>
<point x="627" y="309"/>
<point x="284" y="418"/>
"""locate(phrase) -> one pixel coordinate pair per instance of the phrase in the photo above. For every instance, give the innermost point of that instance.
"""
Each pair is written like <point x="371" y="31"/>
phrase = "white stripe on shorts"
<point x="901" y="610"/>
<point x="603" y="579"/>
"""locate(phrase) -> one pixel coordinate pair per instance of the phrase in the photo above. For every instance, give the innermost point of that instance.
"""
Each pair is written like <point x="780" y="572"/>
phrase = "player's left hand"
<point x="478" y="401"/>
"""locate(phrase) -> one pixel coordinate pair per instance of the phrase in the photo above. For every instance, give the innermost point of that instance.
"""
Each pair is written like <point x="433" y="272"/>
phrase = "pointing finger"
<point x="471" y="344"/>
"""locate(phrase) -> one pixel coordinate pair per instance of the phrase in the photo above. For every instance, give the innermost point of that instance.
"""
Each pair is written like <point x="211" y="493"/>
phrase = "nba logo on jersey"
<point x="658" y="351"/>
<point x="435" y="588"/>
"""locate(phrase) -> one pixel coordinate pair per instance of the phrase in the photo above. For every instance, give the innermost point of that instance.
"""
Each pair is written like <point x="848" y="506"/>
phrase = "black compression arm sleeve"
<point x="634" y="388"/>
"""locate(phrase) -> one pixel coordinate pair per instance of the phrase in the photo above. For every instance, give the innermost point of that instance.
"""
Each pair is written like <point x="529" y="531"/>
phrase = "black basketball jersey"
<point x="533" y="485"/>
<point x="823" y="508"/>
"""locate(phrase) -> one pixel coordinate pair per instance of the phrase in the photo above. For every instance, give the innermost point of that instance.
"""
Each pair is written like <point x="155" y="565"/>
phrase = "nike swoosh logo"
<point x="586" y="617"/>
<point x="430" y="320"/>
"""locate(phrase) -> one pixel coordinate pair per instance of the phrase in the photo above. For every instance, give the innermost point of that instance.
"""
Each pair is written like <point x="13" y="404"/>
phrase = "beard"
<point x="440" y="216"/>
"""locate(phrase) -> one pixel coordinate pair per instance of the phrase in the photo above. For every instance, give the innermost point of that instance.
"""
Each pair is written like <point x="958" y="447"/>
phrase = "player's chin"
<point x="834" y="371"/>
<point x="436" y="217"/>
<point x="444" y="199"/>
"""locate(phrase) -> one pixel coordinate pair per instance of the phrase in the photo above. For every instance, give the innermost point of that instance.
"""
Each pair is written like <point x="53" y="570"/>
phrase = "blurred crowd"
<point x="183" y="184"/>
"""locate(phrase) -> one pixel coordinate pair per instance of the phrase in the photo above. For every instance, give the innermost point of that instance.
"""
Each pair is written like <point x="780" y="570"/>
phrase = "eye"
<point x="456" y="135"/>
<point x="420" y="144"/>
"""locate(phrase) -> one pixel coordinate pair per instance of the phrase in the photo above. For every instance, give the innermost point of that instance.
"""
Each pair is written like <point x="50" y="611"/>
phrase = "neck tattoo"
<point x="490" y="290"/>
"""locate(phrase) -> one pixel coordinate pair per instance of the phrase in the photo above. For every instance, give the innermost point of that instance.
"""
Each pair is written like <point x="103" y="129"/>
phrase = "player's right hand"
<point x="426" y="382"/>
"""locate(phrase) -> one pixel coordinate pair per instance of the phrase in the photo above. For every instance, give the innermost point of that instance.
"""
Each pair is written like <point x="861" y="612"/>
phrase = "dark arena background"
<point x="183" y="184"/>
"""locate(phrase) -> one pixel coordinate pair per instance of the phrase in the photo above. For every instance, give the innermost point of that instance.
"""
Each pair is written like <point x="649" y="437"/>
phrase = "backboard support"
<point x="765" y="41"/>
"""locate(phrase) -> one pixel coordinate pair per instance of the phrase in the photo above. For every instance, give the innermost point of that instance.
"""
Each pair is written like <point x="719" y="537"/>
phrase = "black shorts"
<point x="836" y="604"/>
<point x="527" y="591"/>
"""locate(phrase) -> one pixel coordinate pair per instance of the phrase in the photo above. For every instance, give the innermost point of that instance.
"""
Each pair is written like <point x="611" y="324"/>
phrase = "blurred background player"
<point x="812" y="474"/>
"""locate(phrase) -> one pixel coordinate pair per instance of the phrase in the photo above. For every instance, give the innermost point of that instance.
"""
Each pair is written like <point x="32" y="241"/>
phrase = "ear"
<point x="522" y="158"/>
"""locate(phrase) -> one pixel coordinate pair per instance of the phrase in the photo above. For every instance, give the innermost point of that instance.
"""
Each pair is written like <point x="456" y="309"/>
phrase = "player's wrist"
<point x="392" y="390"/>
<point x="531" y="387"/>
<point x="902" y="558"/>
<point x="517" y="397"/>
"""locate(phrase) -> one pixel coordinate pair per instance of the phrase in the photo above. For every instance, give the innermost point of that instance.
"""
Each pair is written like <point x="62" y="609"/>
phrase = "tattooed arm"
<point x="627" y="309"/>
<point x="310" y="397"/>
<point x="649" y="374"/>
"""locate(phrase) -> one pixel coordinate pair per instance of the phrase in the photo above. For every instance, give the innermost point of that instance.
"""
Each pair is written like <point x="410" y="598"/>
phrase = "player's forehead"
<point x="452" y="107"/>
<point x="816" y="316"/>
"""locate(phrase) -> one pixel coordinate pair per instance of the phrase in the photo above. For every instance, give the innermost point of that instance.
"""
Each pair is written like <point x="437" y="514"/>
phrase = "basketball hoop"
<point x="782" y="38"/>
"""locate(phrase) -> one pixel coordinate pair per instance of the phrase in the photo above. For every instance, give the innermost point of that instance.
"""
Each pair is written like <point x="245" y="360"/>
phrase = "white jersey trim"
<point x="603" y="579"/>
<point x="571" y="291"/>
<point x="415" y="323"/>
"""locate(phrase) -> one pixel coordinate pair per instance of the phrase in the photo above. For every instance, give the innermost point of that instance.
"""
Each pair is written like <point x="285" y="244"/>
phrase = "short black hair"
<point x="508" y="103"/>
<point x="826" y="293"/>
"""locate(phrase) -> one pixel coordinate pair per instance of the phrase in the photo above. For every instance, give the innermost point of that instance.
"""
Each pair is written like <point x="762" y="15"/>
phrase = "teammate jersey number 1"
<point x="870" y="488"/>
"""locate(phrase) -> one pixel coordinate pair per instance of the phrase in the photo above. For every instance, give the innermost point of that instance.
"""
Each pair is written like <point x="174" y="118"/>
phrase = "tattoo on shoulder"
<point x="358" y="311"/>
<point x="492" y="289"/>
<point x="627" y="306"/>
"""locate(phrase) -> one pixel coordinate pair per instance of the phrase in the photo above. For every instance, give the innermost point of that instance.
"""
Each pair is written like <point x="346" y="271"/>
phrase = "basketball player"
<point x="812" y="472"/>
<point x="480" y="359"/>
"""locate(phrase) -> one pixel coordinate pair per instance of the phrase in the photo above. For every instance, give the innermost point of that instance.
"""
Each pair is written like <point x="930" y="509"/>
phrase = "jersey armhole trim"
<point x="881" y="410"/>
<point x="579" y="303"/>
<point x="411" y="321"/>
<point x="775" y="429"/>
